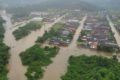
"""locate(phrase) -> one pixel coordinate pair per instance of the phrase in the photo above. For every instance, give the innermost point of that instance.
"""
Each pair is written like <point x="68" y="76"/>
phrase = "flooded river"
<point x="59" y="66"/>
<point x="16" y="69"/>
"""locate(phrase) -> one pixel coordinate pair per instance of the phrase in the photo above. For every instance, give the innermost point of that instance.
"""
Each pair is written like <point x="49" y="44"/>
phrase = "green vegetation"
<point x="58" y="32"/>
<point x="4" y="56"/>
<point x="57" y="27"/>
<point x="81" y="42"/>
<point x="36" y="58"/>
<point x="26" y="30"/>
<point x="111" y="35"/>
<point x="105" y="48"/>
<point x="92" y="68"/>
<point x="1" y="29"/>
<point x="85" y="32"/>
<point x="52" y="33"/>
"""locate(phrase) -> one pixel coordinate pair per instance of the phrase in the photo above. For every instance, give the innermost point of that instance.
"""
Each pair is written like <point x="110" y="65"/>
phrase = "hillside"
<point x="55" y="4"/>
<point x="86" y="4"/>
<point x="69" y="4"/>
<point x="14" y="3"/>
<point x="106" y="4"/>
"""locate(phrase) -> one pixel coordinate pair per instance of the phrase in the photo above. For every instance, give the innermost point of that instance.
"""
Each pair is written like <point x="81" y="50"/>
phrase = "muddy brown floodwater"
<point x="59" y="66"/>
<point x="16" y="69"/>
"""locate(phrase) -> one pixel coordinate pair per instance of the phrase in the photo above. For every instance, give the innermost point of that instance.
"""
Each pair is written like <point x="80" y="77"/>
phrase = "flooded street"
<point x="53" y="32"/>
<point x="116" y="34"/>
<point x="16" y="69"/>
<point x="59" y="66"/>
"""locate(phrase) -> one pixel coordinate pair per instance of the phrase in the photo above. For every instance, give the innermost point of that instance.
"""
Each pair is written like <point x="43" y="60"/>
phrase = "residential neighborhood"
<point x="116" y="21"/>
<point x="97" y="34"/>
<point x="59" y="39"/>
<point x="65" y="34"/>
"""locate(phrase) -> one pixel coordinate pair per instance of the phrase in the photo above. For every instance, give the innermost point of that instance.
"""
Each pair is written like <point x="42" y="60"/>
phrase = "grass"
<point x="57" y="26"/>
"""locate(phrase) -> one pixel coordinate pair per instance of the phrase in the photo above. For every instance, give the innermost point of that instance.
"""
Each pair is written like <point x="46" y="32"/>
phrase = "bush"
<point x="26" y="30"/>
<point x="53" y="32"/>
<point x="36" y="58"/>
<point x="92" y="68"/>
<point x="4" y="55"/>
<point x="106" y="48"/>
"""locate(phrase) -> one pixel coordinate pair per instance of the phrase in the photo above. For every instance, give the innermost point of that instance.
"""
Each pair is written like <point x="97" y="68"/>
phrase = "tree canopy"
<point x="4" y="55"/>
<point x="92" y="68"/>
<point x="36" y="58"/>
<point x="26" y="30"/>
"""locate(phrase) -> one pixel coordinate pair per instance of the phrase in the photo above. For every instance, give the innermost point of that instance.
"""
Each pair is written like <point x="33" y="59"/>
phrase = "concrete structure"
<point x="37" y="19"/>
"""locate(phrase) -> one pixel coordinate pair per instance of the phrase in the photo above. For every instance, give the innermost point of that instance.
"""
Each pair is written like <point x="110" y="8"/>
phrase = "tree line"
<point x="92" y="68"/>
<point x="4" y="55"/>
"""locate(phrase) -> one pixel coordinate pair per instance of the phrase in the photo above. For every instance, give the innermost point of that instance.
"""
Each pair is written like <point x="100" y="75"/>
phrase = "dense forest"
<point x="26" y="30"/>
<point x="36" y="58"/>
<point x="4" y="55"/>
<point x="92" y="68"/>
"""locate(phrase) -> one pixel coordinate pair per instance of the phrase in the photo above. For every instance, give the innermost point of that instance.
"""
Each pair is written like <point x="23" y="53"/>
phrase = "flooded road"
<point x="116" y="34"/>
<point x="59" y="66"/>
<point x="16" y="69"/>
